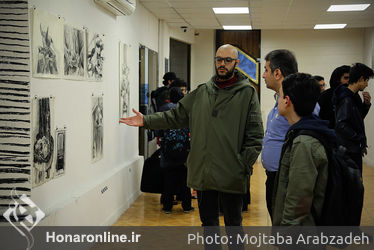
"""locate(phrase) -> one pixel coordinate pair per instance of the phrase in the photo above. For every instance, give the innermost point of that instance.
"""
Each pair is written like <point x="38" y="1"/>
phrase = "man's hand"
<point x="366" y="96"/>
<point x="136" y="121"/>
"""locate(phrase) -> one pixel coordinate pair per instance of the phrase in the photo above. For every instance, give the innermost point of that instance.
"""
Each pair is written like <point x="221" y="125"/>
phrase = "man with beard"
<point x="226" y="135"/>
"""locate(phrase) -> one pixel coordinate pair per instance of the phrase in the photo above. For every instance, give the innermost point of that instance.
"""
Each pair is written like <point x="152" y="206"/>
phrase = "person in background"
<point x="350" y="127"/>
<point x="321" y="82"/>
<point x="180" y="84"/>
<point x="340" y="75"/>
<point x="175" y="144"/>
<point x="160" y="96"/>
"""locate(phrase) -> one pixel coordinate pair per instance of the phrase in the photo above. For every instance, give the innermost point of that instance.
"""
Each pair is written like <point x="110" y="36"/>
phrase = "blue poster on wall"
<point x="248" y="66"/>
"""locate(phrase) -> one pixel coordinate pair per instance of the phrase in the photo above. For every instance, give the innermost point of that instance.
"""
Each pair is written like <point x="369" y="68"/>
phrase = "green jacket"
<point x="226" y="134"/>
<point x="300" y="182"/>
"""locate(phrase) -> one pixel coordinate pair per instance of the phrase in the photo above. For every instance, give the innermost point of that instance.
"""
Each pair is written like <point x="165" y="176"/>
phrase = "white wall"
<point x="369" y="120"/>
<point x="202" y="57"/>
<point x="76" y="198"/>
<point x="317" y="52"/>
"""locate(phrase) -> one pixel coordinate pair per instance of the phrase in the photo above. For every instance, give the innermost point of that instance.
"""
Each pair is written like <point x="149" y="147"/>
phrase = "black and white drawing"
<point x="97" y="128"/>
<point x="95" y="56"/>
<point x="74" y="52"/>
<point x="47" y="44"/>
<point x="124" y="83"/>
<point x="43" y="140"/>
<point x="60" y="152"/>
<point x="15" y="105"/>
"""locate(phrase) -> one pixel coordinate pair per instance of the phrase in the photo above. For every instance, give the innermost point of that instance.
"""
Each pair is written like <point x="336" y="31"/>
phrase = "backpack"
<point x="175" y="145"/>
<point x="344" y="194"/>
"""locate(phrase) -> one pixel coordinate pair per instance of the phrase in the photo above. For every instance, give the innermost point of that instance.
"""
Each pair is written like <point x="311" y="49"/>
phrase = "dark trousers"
<point x="357" y="158"/>
<point x="209" y="202"/>
<point x="175" y="182"/>
<point x="269" y="190"/>
<point x="209" y="208"/>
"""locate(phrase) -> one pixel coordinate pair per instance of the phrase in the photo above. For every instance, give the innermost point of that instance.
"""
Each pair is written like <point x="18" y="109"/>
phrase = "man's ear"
<point x="237" y="63"/>
<point x="277" y="74"/>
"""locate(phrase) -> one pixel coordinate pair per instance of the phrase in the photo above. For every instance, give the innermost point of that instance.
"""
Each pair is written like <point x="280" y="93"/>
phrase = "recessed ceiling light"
<point x="237" y="27"/>
<point x="330" y="26"/>
<point x="348" y="7"/>
<point x="234" y="10"/>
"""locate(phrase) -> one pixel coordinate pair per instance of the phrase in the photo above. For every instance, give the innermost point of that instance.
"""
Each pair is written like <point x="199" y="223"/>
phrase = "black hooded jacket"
<point x="350" y="128"/>
<point x="313" y="122"/>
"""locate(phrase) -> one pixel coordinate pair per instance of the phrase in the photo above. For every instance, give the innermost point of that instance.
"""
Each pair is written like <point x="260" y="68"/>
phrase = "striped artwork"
<point x="14" y="102"/>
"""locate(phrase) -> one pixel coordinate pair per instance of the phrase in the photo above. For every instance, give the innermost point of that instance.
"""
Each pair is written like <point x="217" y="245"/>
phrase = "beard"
<point x="226" y="76"/>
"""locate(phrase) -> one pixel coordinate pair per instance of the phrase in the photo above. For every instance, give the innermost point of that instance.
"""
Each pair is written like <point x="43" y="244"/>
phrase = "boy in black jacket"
<point x="350" y="128"/>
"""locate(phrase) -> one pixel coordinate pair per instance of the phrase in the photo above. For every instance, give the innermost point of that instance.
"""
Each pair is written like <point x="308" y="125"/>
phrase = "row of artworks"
<point x="63" y="51"/>
<point x="48" y="144"/>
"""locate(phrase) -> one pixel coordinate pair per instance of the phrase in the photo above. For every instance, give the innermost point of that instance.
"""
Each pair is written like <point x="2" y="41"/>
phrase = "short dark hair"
<point x="175" y="94"/>
<point x="337" y="74"/>
<point x="319" y="78"/>
<point x="282" y="59"/>
<point x="169" y="76"/>
<point x="358" y="70"/>
<point x="303" y="91"/>
<point x="178" y="83"/>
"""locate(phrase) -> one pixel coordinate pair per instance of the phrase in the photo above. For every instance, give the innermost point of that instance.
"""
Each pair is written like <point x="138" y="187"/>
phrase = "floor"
<point x="146" y="211"/>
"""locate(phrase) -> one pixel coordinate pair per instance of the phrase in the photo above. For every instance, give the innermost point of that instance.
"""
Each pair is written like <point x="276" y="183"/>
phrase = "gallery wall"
<point x="369" y="120"/>
<point x="95" y="193"/>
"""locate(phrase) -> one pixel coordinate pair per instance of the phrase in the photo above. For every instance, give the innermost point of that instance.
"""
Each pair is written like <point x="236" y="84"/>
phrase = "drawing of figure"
<point x="125" y="91"/>
<point x="97" y="122"/>
<point x="95" y="58"/>
<point x="74" y="51"/>
<point x="47" y="62"/>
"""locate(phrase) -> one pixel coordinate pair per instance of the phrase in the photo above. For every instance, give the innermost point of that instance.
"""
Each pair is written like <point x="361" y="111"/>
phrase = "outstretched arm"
<point x="135" y="121"/>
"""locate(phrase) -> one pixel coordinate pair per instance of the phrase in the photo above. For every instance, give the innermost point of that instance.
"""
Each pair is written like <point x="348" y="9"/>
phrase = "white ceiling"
<point x="264" y="14"/>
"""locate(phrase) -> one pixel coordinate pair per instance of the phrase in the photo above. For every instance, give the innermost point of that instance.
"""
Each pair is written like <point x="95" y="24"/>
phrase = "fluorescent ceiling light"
<point x="348" y="7"/>
<point x="237" y="27"/>
<point x="236" y="10"/>
<point x="330" y="26"/>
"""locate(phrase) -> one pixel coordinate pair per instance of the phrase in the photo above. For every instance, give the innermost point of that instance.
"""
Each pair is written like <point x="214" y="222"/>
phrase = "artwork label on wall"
<point x="95" y="56"/>
<point x="124" y="82"/>
<point x="43" y="140"/>
<point x="97" y="128"/>
<point x="47" y="45"/>
<point x="60" y="152"/>
<point x="74" y="53"/>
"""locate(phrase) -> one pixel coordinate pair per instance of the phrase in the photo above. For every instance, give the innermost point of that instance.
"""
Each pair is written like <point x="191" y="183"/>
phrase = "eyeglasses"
<point x="219" y="59"/>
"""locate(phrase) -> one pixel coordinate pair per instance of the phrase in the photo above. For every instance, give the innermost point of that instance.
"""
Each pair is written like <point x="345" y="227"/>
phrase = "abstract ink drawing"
<point x="47" y="59"/>
<point x="95" y="56"/>
<point x="97" y="128"/>
<point x="47" y="44"/>
<point x="43" y="141"/>
<point x="60" y="152"/>
<point x="124" y="83"/>
<point x="74" y="52"/>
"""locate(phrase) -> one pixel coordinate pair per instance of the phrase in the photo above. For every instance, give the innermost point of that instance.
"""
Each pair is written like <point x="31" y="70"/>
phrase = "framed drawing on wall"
<point x="124" y="82"/>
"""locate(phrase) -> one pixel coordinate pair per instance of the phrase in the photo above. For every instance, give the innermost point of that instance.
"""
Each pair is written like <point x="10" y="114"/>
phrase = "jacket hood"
<point x="341" y="92"/>
<point x="313" y="122"/>
<point x="241" y="83"/>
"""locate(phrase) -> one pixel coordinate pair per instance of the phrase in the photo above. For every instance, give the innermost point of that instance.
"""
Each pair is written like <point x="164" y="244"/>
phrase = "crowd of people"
<point x="223" y="136"/>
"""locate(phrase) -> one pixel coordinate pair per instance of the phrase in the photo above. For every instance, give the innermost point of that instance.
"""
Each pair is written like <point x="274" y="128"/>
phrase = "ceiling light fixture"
<point x="348" y="7"/>
<point x="237" y="27"/>
<point x="234" y="10"/>
<point x="330" y="26"/>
